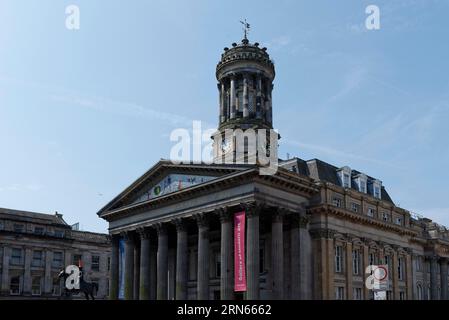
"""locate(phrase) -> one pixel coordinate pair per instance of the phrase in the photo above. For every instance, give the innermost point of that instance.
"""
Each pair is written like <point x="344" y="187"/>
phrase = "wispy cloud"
<point x="342" y="154"/>
<point x="351" y="81"/>
<point x="16" y="187"/>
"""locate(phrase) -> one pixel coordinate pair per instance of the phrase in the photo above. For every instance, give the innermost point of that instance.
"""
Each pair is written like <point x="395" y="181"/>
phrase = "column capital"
<point x="127" y="236"/>
<point x="224" y="214"/>
<point x="144" y="233"/>
<point x="180" y="224"/>
<point x="202" y="219"/>
<point x="432" y="258"/>
<point x="322" y="233"/>
<point x="444" y="260"/>
<point x="252" y="208"/>
<point x="161" y="228"/>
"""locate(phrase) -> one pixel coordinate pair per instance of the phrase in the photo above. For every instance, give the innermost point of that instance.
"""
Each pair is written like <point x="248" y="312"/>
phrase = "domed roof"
<point x="245" y="51"/>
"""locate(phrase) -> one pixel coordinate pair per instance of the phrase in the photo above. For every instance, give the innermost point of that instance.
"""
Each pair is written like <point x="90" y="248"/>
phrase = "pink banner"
<point x="239" y="252"/>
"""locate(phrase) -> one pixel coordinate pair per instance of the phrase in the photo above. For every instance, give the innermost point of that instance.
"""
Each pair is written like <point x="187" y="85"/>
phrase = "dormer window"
<point x="376" y="188"/>
<point x="344" y="175"/>
<point x="361" y="182"/>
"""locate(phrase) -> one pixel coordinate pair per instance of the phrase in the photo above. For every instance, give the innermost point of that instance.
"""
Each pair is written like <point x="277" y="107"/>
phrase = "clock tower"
<point x="245" y="77"/>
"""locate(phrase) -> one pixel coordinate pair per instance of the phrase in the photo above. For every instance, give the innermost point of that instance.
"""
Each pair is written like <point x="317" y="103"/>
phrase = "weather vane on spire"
<point x="246" y="28"/>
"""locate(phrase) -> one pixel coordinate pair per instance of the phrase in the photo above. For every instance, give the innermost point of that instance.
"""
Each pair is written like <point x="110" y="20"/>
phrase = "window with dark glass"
<point x="16" y="256"/>
<point x="95" y="263"/>
<point x="37" y="258"/>
<point x="57" y="259"/>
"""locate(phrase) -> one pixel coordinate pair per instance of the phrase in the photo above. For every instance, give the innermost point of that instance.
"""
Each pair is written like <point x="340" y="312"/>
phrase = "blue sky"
<point x="84" y="113"/>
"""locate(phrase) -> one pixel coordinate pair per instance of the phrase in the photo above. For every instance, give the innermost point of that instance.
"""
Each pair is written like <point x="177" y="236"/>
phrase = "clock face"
<point x="226" y="145"/>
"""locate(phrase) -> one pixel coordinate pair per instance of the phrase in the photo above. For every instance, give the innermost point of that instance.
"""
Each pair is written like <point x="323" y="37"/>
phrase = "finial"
<point x="246" y="27"/>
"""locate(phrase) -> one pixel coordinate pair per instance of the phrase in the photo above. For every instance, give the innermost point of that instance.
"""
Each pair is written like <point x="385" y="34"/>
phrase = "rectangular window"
<point x="401" y="268"/>
<point x="370" y="212"/>
<point x="356" y="262"/>
<point x="15" y="287"/>
<point x="37" y="259"/>
<point x="339" y="293"/>
<point x="401" y="295"/>
<point x="372" y="258"/>
<point x="388" y="263"/>
<point x="109" y="263"/>
<point x="346" y="181"/>
<point x="39" y="230"/>
<point x="377" y="192"/>
<point x="59" y="233"/>
<point x="76" y="259"/>
<point x="357" y="293"/>
<point x="338" y="259"/>
<point x="36" y="286"/>
<point x="57" y="259"/>
<point x="355" y="207"/>
<point x="385" y="217"/>
<point x="418" y="264"/>
<point x="56" y="287"/>
<point x="398" y="221"/>
<point x="16" y="256"/>
<point x="262" y="258"/>
<point x="95" y="263"/>
<point x="217" y="265"/>
<point x="18" y="227"/>
<point x="2" y="226"/>
<point x="337" y="202"/>
<point x="389" y="295"/>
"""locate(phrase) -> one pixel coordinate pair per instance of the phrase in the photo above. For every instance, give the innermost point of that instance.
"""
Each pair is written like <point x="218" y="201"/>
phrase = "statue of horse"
<point x="88" y="288"/>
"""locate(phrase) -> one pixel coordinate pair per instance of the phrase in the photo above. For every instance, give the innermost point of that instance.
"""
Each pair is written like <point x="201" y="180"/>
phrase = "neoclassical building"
<point x="311" y="229"/>
<point x="35" y="247"/>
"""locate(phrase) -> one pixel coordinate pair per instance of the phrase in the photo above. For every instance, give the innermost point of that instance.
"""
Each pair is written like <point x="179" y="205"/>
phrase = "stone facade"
<point x="312" y="229"/>
<point x="35" y="247"/>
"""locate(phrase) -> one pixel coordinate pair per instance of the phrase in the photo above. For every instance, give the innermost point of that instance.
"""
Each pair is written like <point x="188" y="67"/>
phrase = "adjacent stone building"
<point x="35" y="247"/>
<point x="311" y="228"/>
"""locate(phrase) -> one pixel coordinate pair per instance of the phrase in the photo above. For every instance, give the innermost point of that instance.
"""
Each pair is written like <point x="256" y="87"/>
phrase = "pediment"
<point x="165" y="178"/>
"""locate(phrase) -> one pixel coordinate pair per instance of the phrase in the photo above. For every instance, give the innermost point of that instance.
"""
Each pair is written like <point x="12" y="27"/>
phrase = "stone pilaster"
<point x="5" y="271"/>
<point x="27" y="272"/>
<point x="136" y="285"/>
<point x="433" y="277"/>
<point x="162" y="262"/>
<point x="443" y="278"/>
<point x="203" y="256"/>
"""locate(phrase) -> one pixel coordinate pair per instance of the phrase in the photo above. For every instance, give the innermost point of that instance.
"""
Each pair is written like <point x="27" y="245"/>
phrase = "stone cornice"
<point x="361" y="218"/>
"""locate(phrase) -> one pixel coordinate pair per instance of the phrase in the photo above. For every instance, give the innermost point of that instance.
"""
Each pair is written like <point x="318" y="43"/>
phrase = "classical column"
<point x="295" y="256"/>
<point x="48" y="280"/>
<point x="113" y="269"/>
<point x="136" y="285"/>
<point x="153" y="271"/>
<point x="162" y="262"/>
<point x="443" y="278"/>
<point x="258" y="97"/>
<point x="27" y="272"/>
<point x="232" y="97"/>
<point x="409" y="275"/>
<point x="395" y="275"/>
<point x="129" y="265"/>
<point x="222" y="101"/>
<point x="277" y="253"/>
<point x="252" y="252"/>
<point x="4" y="289"/>
<point x="227" y="251"/>
<point x="269" y="102"/>
<point x="203" y="257"/>
<point x="181" y="259"/>
<point x="349" y="270"/>
<point x="145" y="247"/>
<point x="245" y="97"/>
<point x="433" y="278"/>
